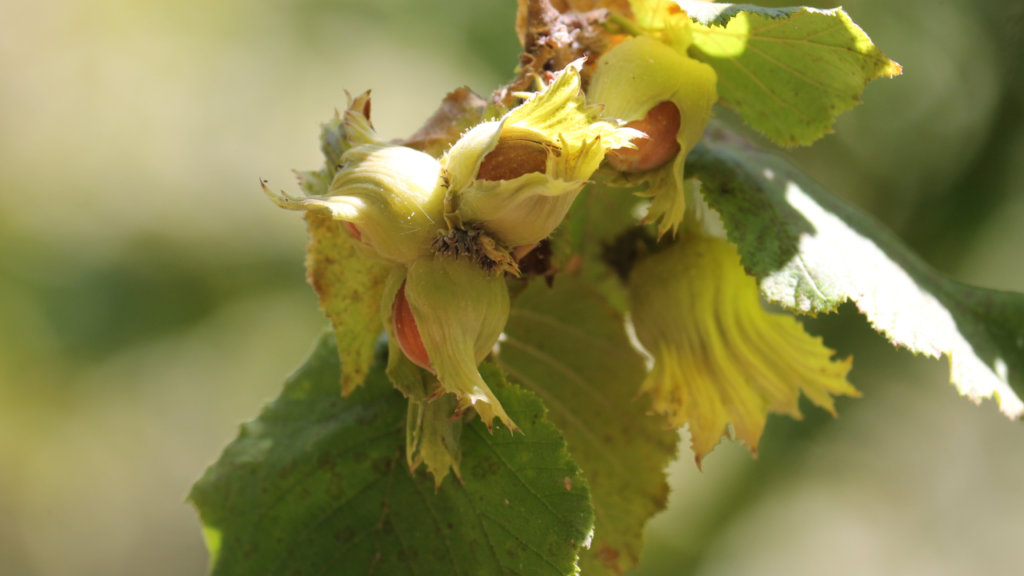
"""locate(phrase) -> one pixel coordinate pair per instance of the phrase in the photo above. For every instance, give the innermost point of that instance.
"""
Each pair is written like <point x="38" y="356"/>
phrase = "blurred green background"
<point x="151" y="298"/>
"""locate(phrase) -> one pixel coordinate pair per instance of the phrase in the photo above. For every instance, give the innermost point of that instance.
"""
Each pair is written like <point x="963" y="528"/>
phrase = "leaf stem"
<point x="625" y="24"/>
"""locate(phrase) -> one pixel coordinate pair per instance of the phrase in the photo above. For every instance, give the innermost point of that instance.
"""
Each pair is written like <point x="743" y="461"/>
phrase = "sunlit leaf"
<point x="811" y="252"/>
<point x="350" y="286"/>
<point x="570" y="347"/>
<point x="787" y="71"/>
<point x="318" y="485"/>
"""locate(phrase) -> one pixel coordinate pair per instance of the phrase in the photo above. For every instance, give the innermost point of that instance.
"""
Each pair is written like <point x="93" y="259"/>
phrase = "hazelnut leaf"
<point x="811" y="252"/>
<point x="569" y="347"/>
<point x="787" y="71"/>
<point x="317" y="485"/>
<point x="349" y="286"/>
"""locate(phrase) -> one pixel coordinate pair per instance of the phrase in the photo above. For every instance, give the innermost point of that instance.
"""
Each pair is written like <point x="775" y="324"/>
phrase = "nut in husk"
<point x="390" y="197"/>
<point x="650" y="84"/>
<point x="459" y="312"/>
<point x="518" y="176"/>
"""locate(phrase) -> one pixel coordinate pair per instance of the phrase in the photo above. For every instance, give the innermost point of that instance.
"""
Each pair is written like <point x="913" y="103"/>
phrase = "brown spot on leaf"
<point x="515" y="549"/>
<point x="609" y="557"/>
<point x="344" y="536"/>
<point x="336" y="487"/>
<point x="381" y="466"/>
<point x="484" y="468"/>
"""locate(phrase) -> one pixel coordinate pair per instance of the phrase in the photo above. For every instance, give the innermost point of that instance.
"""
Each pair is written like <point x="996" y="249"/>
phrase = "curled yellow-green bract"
<point x="551" y="145"/>
<point x="719" y="357"/>
<point x="460" y="311"/>
<point x="634" y="77"/>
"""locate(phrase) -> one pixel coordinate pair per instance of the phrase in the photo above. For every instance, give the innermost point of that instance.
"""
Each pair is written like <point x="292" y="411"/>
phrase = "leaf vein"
<point x="480" y="515"/>
<point x="518" y="477"/>
<point x="799" y="74"/>
<point x="573" y="376"/>
<point x="527" y="544"/>
<point x="302" y="478"/>
<point x="552" y="321"/>
<point x="437" y="523"/>
<point x="395" y="464"/>
<point x="587" y="433"/>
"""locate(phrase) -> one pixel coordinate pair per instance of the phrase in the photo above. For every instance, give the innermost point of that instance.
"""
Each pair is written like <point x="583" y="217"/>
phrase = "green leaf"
<point x="317" y="485"/>
<point x="570" y="347"/>
<point x="787" y="71"/>
<point x="350" y="286"/>
<point x="348" y="283"/>
<point x="811" y="252"/>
